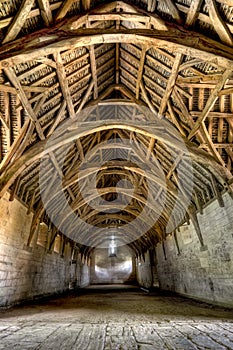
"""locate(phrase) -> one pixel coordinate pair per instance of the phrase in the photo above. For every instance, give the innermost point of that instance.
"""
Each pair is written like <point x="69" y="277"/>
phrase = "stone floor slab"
<point x="102" y="319"/>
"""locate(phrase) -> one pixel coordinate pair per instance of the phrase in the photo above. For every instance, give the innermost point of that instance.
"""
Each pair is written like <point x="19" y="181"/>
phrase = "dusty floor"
<point x="116" y="318"/>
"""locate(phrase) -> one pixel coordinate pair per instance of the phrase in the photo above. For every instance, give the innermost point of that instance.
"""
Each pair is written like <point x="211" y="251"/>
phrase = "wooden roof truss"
<point x="59" y="57"/>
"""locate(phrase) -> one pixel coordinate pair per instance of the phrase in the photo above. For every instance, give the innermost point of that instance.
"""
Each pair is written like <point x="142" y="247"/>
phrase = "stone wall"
<point x="206" y="274"/>
<point x="144" y="271"/>
<point x="80" y="272"/>
<point x="28" y="272"/>
<point x="118" y="269"/>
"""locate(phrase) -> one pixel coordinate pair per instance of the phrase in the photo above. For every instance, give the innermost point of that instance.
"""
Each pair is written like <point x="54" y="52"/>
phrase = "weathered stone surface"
<point x="144" y="271"/>
<point x="207" y="273"/>
<point x="27" y="272"/>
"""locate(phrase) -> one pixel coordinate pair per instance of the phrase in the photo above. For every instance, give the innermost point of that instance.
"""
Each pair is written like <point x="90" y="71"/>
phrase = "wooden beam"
<point x="117" y="53"/>
<point x="218" y="23"/>
<point x="83" y="129"/>
<point x="120" y="16"/>
<point x="203" y="134"/>
<point x="218" y="145"/>
<point x="198" y="203"/>
<point x="226" y="91"/>
<point x="18" y="20"/>
<point x="155" y="20"/>
<point x="189" y="64"/>
<point x="176" y="243"/>
<point x="86" y="96"/>
<point x="144" y="94"/>
<point x="59" y="39"/>
<point x="211" y="148"/>
<point x="150" y="148"/>
<point x="4" y="123"/>
<point x="19" y="144"/>
<point x="64" y="8"/>
<point x="174" y="165"/>
<point x="171" y="82"/>
<point x="14" y="189"/>
<point x="194" y="219"/>
<point x="103" y="95"/>
<point x="93" y="70"/>
<point x="229" y="151"/>
<point x="52" y="239"/>
<point x="213" y="114"/>
<point x="140" y="71"/>
<point x="8" y="119"/>
<point x="174" y="118"/>
<point x="64" y="84"/>
<point x="57" y="118"/>
<point x="117" y="58"/>
<point x="216" y="191"/>
<point x="86" y="4"/>
<point x="33" y="13"/>
<point x="204" y="17"/>
<point x="46" y="12"/>
<point x="211" y="101"/>
<point x="80" y="149"/>
<point x="173" y="10"/>
<point x="193" y="12"/>
<point x="80" y="202"/>
<point x="8" y="88"/>
<point x="151" y="5"/>
<point x="24" y="100"/>
<point x="30" y="207"/>
<point x="133" y="211"/>
<point x="40" y="103"/>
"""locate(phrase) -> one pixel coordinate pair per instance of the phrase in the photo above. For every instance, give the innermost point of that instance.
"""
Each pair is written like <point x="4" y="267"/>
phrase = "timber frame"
<point x="58" y="58"/>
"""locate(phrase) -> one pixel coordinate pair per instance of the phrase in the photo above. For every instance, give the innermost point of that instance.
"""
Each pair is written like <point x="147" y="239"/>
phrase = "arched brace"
<point x="81" y="130"/>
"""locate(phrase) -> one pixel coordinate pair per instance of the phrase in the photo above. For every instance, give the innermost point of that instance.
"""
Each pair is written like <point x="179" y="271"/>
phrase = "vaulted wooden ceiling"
<point x="173" y="57"/>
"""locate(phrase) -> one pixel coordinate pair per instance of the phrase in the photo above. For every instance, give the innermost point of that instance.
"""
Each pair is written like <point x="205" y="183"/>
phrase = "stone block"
<point x="26" y="272"/>
<point x="212" y="259"/>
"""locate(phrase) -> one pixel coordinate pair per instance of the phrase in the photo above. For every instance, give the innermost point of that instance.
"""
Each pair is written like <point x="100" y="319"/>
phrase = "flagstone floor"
<point x="116" y="318"/>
